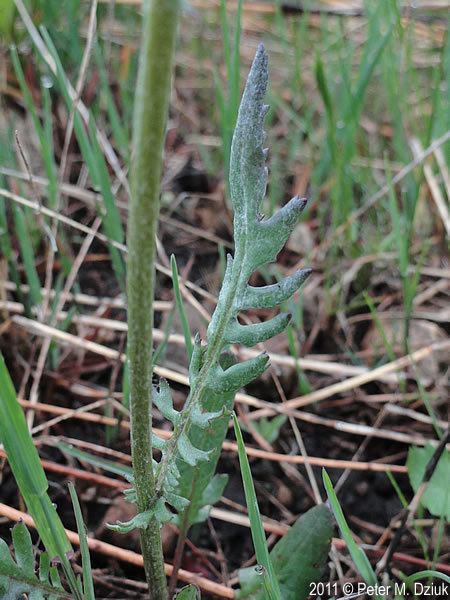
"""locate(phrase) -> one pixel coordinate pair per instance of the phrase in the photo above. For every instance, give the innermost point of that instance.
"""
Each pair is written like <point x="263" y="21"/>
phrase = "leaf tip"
<point x="300" y="202"/>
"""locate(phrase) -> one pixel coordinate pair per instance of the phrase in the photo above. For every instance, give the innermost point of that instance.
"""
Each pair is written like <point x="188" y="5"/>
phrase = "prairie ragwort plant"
<point x="189" y="457"/>
<point x="182" y="485"/>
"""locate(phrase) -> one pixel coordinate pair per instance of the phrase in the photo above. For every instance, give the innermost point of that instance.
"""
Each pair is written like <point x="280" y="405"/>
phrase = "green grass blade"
<point x="225" y="35"/>
<point x="112" y="224"/>
<point x="258" y="535"/>
<point x="365" y="74"/>
<point x="80" y="132"/>
<point x="88" y="582"/>
<point x="160" y="350"/>
<point x="180" y="307"/>
<point x="101" y="463"/>
<point x="397" y="490"/>
<point x="27" y="253"/>
<point x="7" y="250"/>
<point x="43" y="132"/>
<point x="304" y="387"/>
<point x="234" y="75"/>
<point x="329" y="111"/>
<point x="379" y="326"/>
<point x="229" y="101"/>
<point x="27" y="469"/>
<point x="7" y="14"/>
<point x="47" y="143"/>
<point x="26" y="94"/>
<point x="95" y="161"/>
<point x="419" y="532"/>
<point x="119" y="130"/>
<point x="427" y="573"/>
<point x="359" y="558"/>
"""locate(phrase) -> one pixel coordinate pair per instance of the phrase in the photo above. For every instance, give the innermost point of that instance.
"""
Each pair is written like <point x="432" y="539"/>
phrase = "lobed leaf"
<point x="19" y="577"/>
<point x="189" y="457"/>
<point x="163" y="400"/>
<point x="189" y="453"/>
<point x="250" y="335"/>
<point x="238" y="375"/>
<point x="204" y="419"/>
<point x="269" y="296"/>
<point x="267" y="237"/>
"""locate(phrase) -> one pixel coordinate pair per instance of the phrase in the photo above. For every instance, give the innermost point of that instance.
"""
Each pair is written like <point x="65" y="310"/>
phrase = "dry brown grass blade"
<point x="383" y="191"/>
<point x="318" y="461"/>
<point x="363" y="375"/>
<point x="308" y="364"/>
<point x="359" y="380"/>
<point x="105" y="144"/>
<point x="206" y="585"/>
<point x="78" y="298"/>
<point x="88" y="230"/>
<point x="435" y="190"/>
<point x="227" y="445"/>
<point x="265" y="408"/>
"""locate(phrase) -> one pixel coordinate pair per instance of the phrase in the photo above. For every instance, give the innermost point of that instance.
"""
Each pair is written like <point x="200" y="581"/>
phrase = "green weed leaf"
<point x="436" y="497"/>
<point x="190" y="592"/>
<point x="270" y="428"/>
<point x="298" y="559"/>
<point x="18" y="577"/>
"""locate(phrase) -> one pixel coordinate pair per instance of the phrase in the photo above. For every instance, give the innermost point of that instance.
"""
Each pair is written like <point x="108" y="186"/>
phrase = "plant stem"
<point x="150" y="115"/>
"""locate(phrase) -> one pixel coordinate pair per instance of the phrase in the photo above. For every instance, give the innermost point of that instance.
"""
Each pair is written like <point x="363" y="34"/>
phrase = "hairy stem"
<point x="151" y="108"/>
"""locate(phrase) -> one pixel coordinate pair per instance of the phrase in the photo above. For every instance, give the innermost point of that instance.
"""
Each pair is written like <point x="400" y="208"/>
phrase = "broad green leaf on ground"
<point x="189" y="592"/>
<point x="298" y="559"/>
<point x="27" y="469"/>
<point x="270" y="428"/>
<point x="437" y="496"/>
<point x="18" y="577"/>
